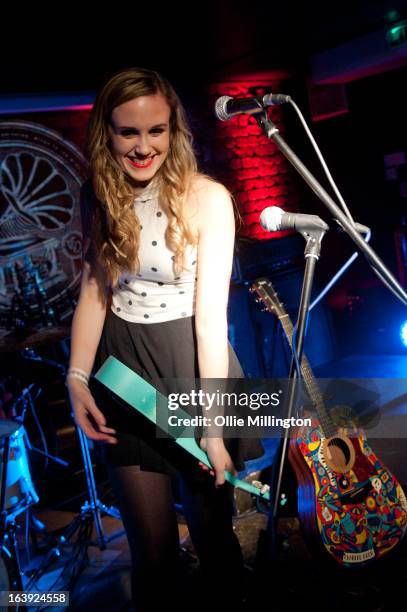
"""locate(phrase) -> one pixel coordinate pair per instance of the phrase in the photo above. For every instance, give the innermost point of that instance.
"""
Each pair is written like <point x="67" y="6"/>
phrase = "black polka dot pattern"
<point x="140" y="296"/>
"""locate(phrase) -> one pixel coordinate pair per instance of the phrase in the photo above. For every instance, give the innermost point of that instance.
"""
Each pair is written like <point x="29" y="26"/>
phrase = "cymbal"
<point x="12" y="342"/>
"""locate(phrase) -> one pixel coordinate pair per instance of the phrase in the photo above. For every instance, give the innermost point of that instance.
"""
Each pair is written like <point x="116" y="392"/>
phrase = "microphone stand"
<point x="312" y="251"/>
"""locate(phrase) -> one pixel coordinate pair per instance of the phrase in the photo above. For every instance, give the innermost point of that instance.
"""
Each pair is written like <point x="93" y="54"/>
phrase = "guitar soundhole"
<point x="339" y="454"/>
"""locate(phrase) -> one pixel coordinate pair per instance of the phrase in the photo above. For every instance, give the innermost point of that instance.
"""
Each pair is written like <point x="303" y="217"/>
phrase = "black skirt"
<point x="156" y="351"/>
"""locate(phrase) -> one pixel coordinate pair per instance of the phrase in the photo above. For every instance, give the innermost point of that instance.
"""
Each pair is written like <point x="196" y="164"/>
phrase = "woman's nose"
<point x="143" y="145"/>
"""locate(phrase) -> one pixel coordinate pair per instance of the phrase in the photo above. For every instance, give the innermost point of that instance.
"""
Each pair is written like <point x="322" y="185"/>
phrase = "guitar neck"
<point x="313" y="390"/>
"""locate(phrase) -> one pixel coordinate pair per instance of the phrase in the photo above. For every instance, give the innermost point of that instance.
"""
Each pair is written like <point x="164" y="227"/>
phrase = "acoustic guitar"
<point x="347" y="498"/>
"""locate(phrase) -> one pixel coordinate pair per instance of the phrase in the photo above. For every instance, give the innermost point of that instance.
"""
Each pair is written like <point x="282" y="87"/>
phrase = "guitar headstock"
<point x="266" y="294"/>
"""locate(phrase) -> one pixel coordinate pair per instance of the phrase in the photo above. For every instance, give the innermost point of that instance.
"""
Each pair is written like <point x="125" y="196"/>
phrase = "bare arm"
<point x="87" y="326"/>
<point x="215" y="256"/>
<point x="87" y="322"/>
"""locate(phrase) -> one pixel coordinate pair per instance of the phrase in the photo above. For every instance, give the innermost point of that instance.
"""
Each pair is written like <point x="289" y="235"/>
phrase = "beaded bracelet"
<point x="79" y="374"/>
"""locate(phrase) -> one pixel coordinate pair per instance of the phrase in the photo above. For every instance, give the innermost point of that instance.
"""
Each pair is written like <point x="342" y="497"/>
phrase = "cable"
<point x="80" y="546"/>
<point x="336" y="277"/>
<point x="322" y="161"/>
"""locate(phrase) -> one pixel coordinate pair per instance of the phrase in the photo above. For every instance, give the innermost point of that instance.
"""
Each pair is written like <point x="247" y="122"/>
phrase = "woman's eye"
<point x="156" y="131"/>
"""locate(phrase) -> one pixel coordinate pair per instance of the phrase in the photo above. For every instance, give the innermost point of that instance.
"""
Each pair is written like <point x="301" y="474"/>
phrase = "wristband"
<point x="79" y="374"/>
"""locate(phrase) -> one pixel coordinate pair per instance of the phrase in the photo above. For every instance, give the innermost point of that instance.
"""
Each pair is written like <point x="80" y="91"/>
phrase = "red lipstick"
<point x="144" y="164"/>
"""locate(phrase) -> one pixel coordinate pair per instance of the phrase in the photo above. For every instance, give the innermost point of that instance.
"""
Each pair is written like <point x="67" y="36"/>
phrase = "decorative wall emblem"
<point x="40" y="231"/>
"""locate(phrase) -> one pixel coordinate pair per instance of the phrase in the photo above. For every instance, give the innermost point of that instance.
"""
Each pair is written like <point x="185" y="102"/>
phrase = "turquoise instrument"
<point x="142" y="396"/>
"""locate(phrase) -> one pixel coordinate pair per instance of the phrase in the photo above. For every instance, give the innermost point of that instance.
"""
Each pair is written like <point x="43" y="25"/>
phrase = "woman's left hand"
<point x="219" y="458"/>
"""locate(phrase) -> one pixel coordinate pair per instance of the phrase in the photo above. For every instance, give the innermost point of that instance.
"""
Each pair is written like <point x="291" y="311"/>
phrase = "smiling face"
<point x="140" y="136"/>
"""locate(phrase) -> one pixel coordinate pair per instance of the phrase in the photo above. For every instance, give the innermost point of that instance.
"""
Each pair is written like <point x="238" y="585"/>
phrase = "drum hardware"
<point x="30" y="308"/>
<point x="11" y="575"/>
<point x="35" y="372"/>
<point x="27" y="399"/>
<point x="17" y="488"/>
<point x="44" y="370"/>
<point x="35" y="294"/>
<point x="82" y="524"/>
<point x="93" y="506"/>
<point x="12" y="505"/>
<point x="14" y="474"/>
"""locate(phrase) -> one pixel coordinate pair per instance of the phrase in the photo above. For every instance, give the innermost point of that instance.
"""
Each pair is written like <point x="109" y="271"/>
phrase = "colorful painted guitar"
<point x="346" y="496"/>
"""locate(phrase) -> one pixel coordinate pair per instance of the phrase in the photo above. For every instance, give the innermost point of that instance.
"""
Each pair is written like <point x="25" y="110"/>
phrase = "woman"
<point x="158" y="254"/>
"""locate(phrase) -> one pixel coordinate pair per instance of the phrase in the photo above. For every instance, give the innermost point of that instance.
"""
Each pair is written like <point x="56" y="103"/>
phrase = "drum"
<point x="20" y="492"/>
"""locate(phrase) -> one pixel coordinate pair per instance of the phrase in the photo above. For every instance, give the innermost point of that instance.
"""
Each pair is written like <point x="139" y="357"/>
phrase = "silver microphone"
<point x="227" y="107"/>
<point x="274" y="219"/>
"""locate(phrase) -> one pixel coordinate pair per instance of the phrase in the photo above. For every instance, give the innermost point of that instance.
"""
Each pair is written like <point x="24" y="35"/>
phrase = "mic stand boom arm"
<point x="272" y="133"/>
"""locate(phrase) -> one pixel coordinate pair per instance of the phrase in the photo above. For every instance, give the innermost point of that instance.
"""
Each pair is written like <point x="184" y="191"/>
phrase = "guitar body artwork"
<point x="353" y="504"/>
<point x="347" y="499"/>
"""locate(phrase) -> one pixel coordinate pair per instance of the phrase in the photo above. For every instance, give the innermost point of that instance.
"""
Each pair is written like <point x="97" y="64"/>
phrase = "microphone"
<point x="274" y="219"/>
<point x="227" y="107"/>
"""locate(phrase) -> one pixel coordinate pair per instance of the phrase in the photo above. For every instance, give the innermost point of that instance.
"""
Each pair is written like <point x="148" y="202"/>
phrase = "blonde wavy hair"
<point x="115" y="232"/>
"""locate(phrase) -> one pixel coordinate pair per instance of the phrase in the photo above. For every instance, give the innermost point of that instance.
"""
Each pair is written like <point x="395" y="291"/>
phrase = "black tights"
<point x="146" y="504"/>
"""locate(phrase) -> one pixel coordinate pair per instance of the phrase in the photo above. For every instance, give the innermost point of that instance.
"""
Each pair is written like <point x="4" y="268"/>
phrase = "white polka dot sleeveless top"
<point x="155" y="294"/>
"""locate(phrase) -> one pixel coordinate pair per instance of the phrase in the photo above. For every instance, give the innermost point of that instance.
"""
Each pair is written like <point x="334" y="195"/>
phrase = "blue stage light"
<point x="403" y="333"/>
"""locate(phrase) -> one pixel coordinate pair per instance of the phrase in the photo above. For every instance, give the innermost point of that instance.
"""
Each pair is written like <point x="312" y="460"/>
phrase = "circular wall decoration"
<point x="40" y="229"/>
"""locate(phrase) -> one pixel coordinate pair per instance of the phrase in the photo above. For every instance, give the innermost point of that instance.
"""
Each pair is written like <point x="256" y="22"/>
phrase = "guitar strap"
<point x="140" y="395"/>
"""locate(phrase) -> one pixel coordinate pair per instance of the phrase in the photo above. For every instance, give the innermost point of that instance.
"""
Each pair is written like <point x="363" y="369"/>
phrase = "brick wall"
<point x="249" y="164"/>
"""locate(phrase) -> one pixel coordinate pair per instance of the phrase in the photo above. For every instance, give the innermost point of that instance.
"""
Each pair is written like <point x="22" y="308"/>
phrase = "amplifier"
<point x="255" y="258"/>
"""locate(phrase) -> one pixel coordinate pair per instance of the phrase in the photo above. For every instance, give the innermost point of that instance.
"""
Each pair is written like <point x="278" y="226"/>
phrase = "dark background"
<point x="64" y="48"/>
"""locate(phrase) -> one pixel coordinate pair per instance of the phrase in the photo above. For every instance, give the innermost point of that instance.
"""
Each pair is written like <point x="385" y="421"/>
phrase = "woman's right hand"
<point x="87" y="415"/>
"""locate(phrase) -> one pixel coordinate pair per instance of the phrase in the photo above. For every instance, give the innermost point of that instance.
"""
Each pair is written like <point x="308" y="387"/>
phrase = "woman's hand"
<point x="87" y="415"/>
<point x="219" y="458"/>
